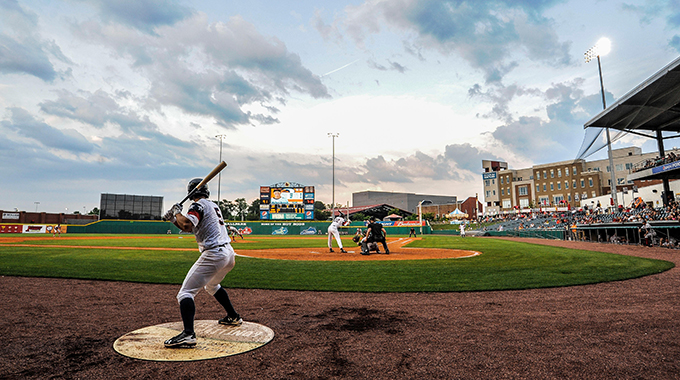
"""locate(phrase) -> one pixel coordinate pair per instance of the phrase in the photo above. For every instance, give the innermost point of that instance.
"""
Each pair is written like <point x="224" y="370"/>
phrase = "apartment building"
<point x="558" y="184"/>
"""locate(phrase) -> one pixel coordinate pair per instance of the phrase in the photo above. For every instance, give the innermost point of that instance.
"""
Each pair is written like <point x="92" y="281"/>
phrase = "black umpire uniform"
<point x="375" y="233"/>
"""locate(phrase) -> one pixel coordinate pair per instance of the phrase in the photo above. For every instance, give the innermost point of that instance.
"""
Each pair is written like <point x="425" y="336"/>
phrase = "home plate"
<point x="213" y="341"/>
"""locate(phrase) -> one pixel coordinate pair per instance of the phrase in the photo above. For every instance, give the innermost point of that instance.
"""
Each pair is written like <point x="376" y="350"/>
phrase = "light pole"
<point x="36" y="206"/>
<point x="219" y="176"/>
<point x="333" y="135"/>
<point x="601" y="48"/>
<point x="420" y="213"/>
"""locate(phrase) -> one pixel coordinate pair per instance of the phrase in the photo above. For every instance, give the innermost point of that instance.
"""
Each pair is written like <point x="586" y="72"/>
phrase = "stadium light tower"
<point x="601" y="48"/>
<point x="420" y="212"/>
<point x="333" y="135"/>
<point x="219" y="176"/>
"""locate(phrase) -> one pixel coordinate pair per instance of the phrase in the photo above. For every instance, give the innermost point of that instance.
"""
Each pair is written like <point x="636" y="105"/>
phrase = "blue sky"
<point x="127" y="96"/>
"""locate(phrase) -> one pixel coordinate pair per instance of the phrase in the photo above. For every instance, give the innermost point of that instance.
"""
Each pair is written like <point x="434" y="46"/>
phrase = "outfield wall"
<point x="246" y="228"/>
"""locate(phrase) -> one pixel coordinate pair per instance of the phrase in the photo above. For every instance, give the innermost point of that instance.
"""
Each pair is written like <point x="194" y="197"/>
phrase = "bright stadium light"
<point x="603" y="47"/>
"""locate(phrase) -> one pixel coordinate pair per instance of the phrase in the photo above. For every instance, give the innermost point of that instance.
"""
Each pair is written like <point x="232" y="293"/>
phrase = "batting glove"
<point x="176" y="209"/>
<point x="168" y="215"/>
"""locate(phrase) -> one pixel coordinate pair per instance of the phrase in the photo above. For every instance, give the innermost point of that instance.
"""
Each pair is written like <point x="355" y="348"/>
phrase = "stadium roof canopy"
<point x="654" y="105"/>
<point x="378" y="210"/>
<point x="649" y="110"/>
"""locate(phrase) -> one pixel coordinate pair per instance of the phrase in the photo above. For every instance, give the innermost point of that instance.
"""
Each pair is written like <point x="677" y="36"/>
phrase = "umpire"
<point x="375" y="233"/>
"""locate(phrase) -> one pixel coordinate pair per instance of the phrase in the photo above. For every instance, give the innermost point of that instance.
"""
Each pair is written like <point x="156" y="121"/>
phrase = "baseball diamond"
<point x="614" y="330"/>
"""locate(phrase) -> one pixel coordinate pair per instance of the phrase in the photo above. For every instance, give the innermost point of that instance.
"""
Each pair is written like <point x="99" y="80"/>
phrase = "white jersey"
<point x="207" y="225"/>
<point x="337" y="222"/>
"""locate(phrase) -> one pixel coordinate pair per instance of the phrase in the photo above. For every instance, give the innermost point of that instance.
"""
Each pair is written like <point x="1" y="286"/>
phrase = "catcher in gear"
<point x="376" y="234"/>
<point x="217" y="258"/>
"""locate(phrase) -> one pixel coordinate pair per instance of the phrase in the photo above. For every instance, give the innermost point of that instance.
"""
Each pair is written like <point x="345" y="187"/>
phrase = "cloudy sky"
<point x="100" y="96"/>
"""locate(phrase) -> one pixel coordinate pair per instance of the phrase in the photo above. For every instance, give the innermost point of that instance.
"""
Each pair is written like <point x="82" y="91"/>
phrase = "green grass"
<point x="504" y="265"/>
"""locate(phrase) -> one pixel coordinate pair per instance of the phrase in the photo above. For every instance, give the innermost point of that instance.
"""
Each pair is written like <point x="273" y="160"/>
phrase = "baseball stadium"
<point x="97" y="305"/>
<point x="96" y="297"/>
<point x="117" y="99"/>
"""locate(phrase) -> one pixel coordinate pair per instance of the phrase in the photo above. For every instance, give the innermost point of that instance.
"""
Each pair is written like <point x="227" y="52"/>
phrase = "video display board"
<point x="287" y="201"/>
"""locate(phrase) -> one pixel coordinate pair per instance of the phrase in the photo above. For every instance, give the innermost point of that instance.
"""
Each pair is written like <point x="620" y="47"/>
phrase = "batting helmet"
<point x="201" y="192"/>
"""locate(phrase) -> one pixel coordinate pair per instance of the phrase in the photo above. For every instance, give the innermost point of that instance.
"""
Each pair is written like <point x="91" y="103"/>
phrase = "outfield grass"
<point x="504" y="265"/>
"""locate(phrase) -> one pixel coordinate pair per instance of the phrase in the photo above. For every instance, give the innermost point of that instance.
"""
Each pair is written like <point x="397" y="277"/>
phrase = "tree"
<point x="318" y="205"/>
<point x="320" y="212"/>
<point x="94" y="211"/>
<point x="241" y="208"/>
<point x="396" y="211"/>
<point x="228" y="209"/>
<point x="359" y="216"/>
<point x="254" y="210"/>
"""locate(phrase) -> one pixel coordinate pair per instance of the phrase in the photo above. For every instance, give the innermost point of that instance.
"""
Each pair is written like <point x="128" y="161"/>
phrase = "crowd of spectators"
<point x="570" y="220"/>
<point x="657" y="161"/>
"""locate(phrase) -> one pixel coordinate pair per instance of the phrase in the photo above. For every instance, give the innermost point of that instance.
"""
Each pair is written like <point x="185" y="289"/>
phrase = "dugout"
<point x="627" y="233"/>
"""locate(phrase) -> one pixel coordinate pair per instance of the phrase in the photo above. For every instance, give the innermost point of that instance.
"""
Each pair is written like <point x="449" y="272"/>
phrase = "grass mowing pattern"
<point x="504" y="265"/>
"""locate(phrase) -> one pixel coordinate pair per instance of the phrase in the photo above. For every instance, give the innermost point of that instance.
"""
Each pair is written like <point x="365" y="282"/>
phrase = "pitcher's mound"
<point x="214" y="341"/>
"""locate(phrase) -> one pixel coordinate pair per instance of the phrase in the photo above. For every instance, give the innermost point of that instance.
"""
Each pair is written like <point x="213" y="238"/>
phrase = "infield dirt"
<point x="65" y="329"/>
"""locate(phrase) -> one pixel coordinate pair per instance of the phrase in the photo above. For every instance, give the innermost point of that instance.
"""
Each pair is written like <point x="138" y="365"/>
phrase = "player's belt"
<point x="215" y="246"/>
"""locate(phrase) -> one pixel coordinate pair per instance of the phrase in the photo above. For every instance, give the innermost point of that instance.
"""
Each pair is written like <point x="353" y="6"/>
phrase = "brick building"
<point x="557" y="184"/>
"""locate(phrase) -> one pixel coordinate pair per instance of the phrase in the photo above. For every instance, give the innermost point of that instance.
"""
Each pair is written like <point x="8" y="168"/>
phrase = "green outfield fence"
<point x="254" y="228"/>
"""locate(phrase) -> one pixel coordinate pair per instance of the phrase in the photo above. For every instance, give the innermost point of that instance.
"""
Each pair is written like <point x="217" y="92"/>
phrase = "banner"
<point x="34" y="229"/>
<point x="10" y="228"/>
<point x="408" y="223"/>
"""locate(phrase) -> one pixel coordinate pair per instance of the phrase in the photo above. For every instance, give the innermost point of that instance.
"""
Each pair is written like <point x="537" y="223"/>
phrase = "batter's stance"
<point x="217" y="258"/>
<point x="333" y="231"/>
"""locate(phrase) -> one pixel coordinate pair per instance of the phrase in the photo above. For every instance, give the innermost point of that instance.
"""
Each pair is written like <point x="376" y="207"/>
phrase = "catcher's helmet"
<point x="201" y="192"/>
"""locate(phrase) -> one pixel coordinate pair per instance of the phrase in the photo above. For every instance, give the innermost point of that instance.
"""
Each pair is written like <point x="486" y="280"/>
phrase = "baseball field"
<point x="436" y="307"/>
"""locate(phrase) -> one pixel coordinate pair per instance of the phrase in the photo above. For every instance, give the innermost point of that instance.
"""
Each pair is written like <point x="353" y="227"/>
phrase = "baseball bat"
<point x="207" y="179"/>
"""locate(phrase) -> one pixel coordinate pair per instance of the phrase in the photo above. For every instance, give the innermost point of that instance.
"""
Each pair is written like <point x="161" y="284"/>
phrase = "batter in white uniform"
<point x="217" y="258"/>
<point x="333" y="231"/>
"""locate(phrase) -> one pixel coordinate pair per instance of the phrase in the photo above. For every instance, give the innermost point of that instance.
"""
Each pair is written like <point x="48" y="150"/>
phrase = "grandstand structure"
<point x="652" y="110"/>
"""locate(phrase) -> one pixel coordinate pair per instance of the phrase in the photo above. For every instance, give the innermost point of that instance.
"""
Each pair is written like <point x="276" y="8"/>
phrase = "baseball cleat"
<point x="231" y="321"/>
<point x="183" y="340"/>
<point x="342" y="250"/>
<point x="365" y="253"/>
<point x="331" y="250"/>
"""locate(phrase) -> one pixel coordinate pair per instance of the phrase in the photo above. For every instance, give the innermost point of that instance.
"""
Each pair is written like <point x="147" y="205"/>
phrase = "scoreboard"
<point x="287" y="201"/>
